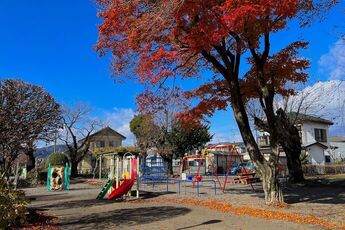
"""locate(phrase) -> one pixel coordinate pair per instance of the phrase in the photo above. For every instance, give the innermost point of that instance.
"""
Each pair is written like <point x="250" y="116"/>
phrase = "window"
<point x="112" y="144"/>
<point x="320" y="135"/>
<point x="328" y="159"/>
<point x="264" y="140"/>
<point x="191" y="163"/>
<point x="176" y="163"/>
<point x="100" y="144"/>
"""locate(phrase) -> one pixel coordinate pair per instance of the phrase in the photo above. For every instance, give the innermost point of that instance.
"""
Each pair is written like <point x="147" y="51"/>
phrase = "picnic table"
<point x="246" y="178"/>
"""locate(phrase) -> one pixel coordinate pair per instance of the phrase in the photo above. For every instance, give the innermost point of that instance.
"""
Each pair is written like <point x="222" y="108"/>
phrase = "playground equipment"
<point x="58" y="178"/>
<point x="235" y="171"/>
<point x="117" y="187"/>
<point x="153" y="168"/>
<point x="237" y="168"/>
<point x="197" y="186"/>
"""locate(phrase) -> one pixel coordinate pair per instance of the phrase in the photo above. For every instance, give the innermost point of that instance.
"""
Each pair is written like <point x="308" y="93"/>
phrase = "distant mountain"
<point x="45" y="151"/>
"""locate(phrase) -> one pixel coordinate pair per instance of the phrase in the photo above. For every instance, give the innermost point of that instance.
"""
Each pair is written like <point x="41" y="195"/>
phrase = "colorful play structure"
<point x="236" y="170"/>
<point x="120" y="186"/>
<point x="153" y="170"/>
<point x="58" y="178"/>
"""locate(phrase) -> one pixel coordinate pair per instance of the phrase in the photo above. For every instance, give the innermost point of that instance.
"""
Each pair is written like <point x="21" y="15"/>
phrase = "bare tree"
<point x="78" y="126"/>
<point x="27" y="114"/>
<point x="163" y="104"/>
<point x="315" y="100"/>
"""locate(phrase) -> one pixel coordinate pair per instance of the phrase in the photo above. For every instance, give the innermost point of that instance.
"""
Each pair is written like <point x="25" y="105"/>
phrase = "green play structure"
<point x="58" y="177"/>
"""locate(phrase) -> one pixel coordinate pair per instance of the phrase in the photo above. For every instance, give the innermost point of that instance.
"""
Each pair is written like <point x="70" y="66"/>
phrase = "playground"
<point x="77" y="208"/>
<point x="138" y="194"/>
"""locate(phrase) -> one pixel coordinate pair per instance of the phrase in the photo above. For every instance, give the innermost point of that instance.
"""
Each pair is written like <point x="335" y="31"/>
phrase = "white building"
<point x="337" y="151"/>
<point x="314" y="133"/>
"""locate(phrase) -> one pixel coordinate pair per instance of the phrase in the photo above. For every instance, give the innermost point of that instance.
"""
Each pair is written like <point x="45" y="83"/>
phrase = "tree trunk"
<point x="293" y="152"/>
<point x="31" y="162"/>
<point x="272" y="189"/>
<point x="291" y="144"/>
<point x="74" y="168"/>
<point x="289" y="140"/>
<point x="170" y="167"/>
<point x="169" y="159"/>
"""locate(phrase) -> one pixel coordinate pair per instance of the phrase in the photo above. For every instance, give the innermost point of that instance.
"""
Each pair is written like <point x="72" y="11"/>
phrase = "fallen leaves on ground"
<point x="279" y="205"/>
<point x="94" y="182"/>
<point x="39" y="221"/>
<point x="254" y="212"/>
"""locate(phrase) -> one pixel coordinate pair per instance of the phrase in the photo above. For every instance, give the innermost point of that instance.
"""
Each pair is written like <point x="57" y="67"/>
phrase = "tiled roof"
<point x="107" y="130"/>
<point x="337" y="139"/>
<point x="299" y="117"/>
<point x="315" y="143"/>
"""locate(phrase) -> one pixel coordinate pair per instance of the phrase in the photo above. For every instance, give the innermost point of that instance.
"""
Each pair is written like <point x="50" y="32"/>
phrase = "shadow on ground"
<point x="77" y="204"/>
<point x="50" y="197"/>
<point x="204" y="223"/>
<point x="316" y="191"/>
<point x="312" y="191"/>
<point x="126" y="217"/>
<point x="148" y="195"/>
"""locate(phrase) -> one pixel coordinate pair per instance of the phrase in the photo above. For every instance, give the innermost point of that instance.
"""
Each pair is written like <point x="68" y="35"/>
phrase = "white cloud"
<point x="225" y="137"/>
<point x="119" y="119"/>
<point x="326" y="100"/>
<point x="333" y="63"/>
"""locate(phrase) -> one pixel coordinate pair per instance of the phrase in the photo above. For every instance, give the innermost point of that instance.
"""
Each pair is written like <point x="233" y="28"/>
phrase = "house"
<point x="264" y="146"/>
<point x="314" y="133"/>
<point x="222" y="154"/>
<point x="337" y="150"/>
<point x="106" y="138"/>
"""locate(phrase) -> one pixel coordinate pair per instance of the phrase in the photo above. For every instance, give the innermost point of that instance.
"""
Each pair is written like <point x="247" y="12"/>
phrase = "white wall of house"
<point x="308" y="133"/>
<point x="339" y="153"/>
<point x="316" y="155"/>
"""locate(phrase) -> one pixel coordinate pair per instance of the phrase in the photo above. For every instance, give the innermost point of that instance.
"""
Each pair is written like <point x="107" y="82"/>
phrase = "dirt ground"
<point x="78" y="208"/>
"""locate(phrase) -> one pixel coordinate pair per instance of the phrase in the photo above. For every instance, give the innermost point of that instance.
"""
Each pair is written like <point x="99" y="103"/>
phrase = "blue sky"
<point x="50" y="43"/>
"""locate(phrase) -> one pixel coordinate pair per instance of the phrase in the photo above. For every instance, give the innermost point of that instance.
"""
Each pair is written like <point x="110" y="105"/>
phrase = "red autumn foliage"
<point x="160" y="39"/>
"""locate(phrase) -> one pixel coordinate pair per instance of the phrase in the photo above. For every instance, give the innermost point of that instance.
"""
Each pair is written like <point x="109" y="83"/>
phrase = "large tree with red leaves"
<point x="159" y="39"/>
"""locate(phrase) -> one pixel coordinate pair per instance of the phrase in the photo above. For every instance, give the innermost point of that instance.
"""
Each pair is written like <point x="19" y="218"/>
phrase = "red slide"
<point x="126" y="185"/>
<point x="122" y="189"/>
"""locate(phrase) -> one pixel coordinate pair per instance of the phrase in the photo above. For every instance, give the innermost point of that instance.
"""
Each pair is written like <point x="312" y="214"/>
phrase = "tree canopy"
<point x="184" y="138"/>
<point x="156" y="40"/>
<point x="27" y="114"/>
<point x="56" y="159"/>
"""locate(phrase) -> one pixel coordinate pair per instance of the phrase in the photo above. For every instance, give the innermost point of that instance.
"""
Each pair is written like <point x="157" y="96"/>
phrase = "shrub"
<point x="56" y="159"/>
<point x="37" y="176"/>
<point x="12" y="208"/>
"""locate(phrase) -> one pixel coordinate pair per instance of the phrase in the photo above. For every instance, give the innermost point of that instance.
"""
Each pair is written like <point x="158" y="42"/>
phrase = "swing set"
<point x="244" y="176"/>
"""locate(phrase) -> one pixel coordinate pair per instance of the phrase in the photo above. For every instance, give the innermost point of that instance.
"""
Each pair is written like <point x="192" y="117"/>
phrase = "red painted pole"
<point x="181" y="166"/>
<point x="215" y="173"/>
<point x="227" y="173"/>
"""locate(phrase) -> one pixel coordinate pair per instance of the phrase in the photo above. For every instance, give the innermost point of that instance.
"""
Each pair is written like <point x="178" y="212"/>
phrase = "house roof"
<point x="107" y="131"/>
<point x="337" y="139"/>
<point x="225" y="144"/>
<point x="300" y="117"/>
<point x="315" y="143"/>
